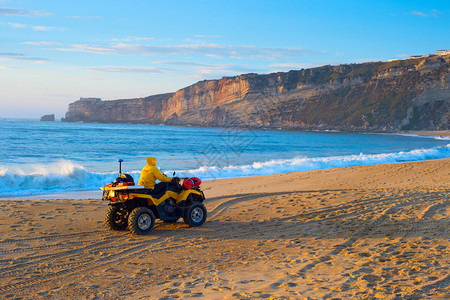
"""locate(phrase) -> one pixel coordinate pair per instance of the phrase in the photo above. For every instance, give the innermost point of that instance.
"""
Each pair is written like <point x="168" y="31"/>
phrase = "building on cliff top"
<point x="437" y="53"/>
<point x="91" y="99"/>
<point x="443" y="52"/>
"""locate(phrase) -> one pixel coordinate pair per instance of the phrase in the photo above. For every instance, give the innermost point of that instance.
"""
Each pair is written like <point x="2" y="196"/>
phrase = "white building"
<point x="91" y="99"/>
<point x="443" y="52"/>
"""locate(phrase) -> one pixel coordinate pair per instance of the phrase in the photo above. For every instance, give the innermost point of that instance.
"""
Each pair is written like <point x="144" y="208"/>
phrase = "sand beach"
<point x="371" y="232"/>
<point x="441" y="133"/>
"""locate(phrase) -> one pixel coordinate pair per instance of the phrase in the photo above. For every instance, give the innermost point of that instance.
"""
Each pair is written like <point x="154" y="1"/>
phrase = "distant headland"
<point x="407" y="94"/>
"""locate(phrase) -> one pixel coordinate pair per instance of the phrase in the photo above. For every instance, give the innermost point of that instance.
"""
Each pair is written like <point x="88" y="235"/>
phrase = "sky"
<point x="54" y="52"/>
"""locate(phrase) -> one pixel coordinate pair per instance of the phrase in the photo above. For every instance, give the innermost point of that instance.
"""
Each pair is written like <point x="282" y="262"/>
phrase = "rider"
<point x="150" y="173"/>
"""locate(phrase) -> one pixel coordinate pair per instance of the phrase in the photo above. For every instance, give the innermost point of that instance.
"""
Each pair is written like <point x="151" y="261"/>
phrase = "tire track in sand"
<point x="103" y="253"/>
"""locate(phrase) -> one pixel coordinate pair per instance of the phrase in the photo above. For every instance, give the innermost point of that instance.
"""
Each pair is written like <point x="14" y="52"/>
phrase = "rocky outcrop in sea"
<point x="48" y="118"/>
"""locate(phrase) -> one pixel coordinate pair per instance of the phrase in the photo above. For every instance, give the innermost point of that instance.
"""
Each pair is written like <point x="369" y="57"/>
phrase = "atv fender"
<point x="185" y="194"/>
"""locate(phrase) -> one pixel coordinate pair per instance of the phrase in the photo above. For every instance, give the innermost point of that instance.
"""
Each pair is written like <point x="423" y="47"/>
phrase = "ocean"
<point x="54" y="157"/>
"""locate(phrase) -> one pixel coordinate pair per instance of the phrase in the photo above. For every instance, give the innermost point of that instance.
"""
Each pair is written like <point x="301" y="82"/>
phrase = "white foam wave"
<point x="300" y="163"/>
<point x="436" y="137"/>
<point x="443" y="138"/>
<point x="67" y="176"/>
<point x="56" y="177"/>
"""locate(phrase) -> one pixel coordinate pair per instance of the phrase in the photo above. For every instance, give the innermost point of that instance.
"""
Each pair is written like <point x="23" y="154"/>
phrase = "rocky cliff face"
<point x="400" y="95"/>
<point x="142" y="110"/>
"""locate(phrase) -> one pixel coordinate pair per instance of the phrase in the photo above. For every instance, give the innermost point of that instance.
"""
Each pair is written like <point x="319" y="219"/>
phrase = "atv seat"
<point x="158" y="191"/>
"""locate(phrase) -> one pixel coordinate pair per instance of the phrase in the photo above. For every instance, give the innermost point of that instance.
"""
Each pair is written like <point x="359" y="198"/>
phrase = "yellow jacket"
<point x="150" y="174"/>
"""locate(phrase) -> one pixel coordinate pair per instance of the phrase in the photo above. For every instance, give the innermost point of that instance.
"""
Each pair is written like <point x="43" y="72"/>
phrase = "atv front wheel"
<point x="116" y="218"/>
<point x="195" y="215"/>
<point x="141" y="220"/>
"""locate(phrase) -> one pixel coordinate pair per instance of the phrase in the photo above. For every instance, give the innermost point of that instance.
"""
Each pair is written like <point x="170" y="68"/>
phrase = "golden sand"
<point x="361" y="232"/>
<point x="441" y="133"/>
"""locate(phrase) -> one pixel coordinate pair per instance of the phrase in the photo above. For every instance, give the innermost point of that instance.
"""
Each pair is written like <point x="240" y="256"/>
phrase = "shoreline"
<point x="82" y="194"/>
<point x="438" y="133"/>
<point x="376" y="231"/>
<point x="97" y="193"/>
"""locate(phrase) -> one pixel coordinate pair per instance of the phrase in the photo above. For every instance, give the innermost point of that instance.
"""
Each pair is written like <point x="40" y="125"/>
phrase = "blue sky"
<point x="54" y="52"/>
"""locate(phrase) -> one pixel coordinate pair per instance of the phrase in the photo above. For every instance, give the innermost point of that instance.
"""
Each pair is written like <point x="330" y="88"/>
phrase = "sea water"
<point x="55" y="157"/>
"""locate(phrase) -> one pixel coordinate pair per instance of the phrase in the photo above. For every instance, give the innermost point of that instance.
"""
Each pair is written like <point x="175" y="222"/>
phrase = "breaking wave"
<point x="298" y="164"/>
<point x="65" y="176"/>
<point x="56" y="177"/>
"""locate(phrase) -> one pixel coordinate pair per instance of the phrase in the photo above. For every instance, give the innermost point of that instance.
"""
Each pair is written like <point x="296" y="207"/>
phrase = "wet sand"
<point x="359" y="232"/>
<point x="441" y="133"/>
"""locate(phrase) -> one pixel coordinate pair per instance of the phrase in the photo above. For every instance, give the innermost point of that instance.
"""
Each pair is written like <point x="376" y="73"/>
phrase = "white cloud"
<point x="10" y="56"/>
<point x="104" y="50"/>
<point x="205" y="70"/>
<point x="17" y="25"/>
<point x="6" y="11"/>
<point x="47" y="28"/>
<point x="418" y="13"/>
<point x="203" y="49"/>
<point x="123" y="69"/>
<point x="132" y="39"/>
<point x="435" y="12"/>
<point x="186" y="69"/>
<point x="432" y="13"/>
<point x="34" y="27"/>
<point x="42" y="43"/>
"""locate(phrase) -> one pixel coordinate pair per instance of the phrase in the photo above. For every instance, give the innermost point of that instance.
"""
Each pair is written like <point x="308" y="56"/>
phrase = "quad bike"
<point x="138" y="208"/>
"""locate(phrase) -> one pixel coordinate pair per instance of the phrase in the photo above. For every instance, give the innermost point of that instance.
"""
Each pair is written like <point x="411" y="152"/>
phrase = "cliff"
<point x="139" y="110"/>
<point x="408" y="94"/>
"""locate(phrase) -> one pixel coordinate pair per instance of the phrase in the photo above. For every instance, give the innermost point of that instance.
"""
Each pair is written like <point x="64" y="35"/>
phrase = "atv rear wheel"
<point x="116" y="218"/>
<point x="195" y="215"/>
<point x="141" y="220"/>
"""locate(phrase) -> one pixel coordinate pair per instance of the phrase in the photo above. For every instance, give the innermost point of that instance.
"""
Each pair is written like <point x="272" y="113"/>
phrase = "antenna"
<point x="120" y="166"/>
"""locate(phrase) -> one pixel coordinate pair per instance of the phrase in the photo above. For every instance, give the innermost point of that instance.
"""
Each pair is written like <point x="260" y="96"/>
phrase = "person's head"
<point x="151" y="161"/>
